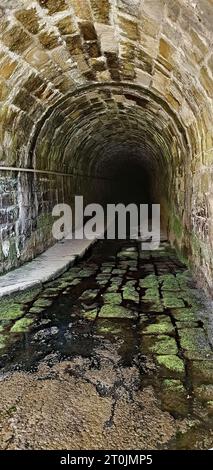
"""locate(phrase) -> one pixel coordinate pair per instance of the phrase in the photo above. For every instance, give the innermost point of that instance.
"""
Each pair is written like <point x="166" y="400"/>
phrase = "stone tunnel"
<point x="106" y="98"/>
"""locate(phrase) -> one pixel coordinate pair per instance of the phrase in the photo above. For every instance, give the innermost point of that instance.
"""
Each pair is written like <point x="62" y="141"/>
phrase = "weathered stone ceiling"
<point x="83" y="82"/>
<point x="51" y="47"/>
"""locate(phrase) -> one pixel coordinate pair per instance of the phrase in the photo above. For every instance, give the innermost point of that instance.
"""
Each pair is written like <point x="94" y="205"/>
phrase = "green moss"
<point x="43" y="303"/>
<point x="174" y="397"/>
<point x="26" y="296"/>
<point x="150" y="281"/>
<point x="21" y="325"/>
<point x="159" y="329"/>
<point x="155" y="307"/>
<point x="3" y="340"/>
<point x="169" y="282"/>
<point x="114" y="311"/>
<point x="36" y="310"/>
<point x="132" y="255"/>
<point x="112" y="288"/>
<point x="129" y="293"/>
<point x="195" y="340"/>
<point x="10" y="311"/>
<point x="112" y="298"/>
<point x="76" y="282"/>
<point x="108" y="328"/>
<point x="173" y="385"/>
<point x="172" y="301"/>
<point x="89" y="294"/>
<point x="162" y="345"/>
<point x="118" y="272"/>
<point x="183" y="314"/>
<point x="106" y="270"/>
<point x="177" y="227"/>
<point x="151" y="294"/>
<point x="171" y="363"/>
<point x="90" y="315"/>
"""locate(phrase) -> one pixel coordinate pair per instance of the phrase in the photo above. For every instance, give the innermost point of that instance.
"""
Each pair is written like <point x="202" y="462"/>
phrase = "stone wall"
<point x="83" y="83"/>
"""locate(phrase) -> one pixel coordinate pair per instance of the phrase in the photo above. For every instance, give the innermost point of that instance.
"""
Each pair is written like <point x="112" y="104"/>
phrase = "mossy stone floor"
<point x="140" y="313"/>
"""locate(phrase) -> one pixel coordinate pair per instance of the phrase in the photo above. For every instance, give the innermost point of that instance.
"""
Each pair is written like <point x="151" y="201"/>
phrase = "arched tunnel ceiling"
<point x="86" y="82"/>
<point x="51" y="47"/>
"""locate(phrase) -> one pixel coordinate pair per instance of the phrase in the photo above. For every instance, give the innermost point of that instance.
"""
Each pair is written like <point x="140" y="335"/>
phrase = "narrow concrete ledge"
<point x="46" y="267"/>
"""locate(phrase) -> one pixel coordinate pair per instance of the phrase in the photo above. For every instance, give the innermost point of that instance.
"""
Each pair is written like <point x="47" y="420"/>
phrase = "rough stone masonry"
<point x="85" y="84"/>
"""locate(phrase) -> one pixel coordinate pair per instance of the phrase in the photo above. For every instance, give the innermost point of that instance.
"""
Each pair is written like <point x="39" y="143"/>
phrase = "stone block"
<point x="107" y="37"/>
<point x="101" y="10"/>
<point x="66" y="26"/>
<point x="88" y="31"/>
<point x="129" y="28"/>
<point x="29" y="19"/>
<point x="53" y="6"/>
<point x="16" y="39"/>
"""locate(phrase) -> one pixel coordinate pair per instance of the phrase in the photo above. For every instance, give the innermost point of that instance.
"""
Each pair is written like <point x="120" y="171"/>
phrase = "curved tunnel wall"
<point x="87" y="87"/>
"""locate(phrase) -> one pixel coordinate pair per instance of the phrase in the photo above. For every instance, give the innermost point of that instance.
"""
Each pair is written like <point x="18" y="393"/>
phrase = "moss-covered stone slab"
<point x="151" y="295"/>
<point x="154" y="307"/>
<point x="22" y="325"/>
<point x="26" y="297"/>
<point x="169" y="282"/>
<point x="86" y="273"/>
<point x="112" y="288"/>
<point x="106" y="270"/>
<point x="76" y="282"/>
<point x="172" y="301"/>
<point x="183" y="279"/>
<point x="131" y="296"/>
<point x="91" y="314"/>
<point x="171" y="365"/>
<point x="201" y="372"/>
<point x="103" y="277"/>
<point x="112" y="298"/>
<point x="36" y="310"/>
<point x="183" y="314"/>
<point x="114" y="311"/>
<point x="150" y="281"/>
<point x="174" y="397"/>
<point x="43" y="303"/>
<point x="118" y="272"/>
<point x="108" y="327"/>
<point x="116" y="281"/>
<point x="129" y="293"/>
<point x="160" y="345"/>
<point x="10" y="311"/>
<point x="194" y="340"/>
<point x="159" y="328"/>
<point x="128" y="255"/>
<point x="69" y="276"/>
<point x="89" y="294"/>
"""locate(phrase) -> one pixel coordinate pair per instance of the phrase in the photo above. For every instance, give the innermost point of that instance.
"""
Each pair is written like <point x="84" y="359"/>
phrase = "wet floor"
<point x="116" y="353"/>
